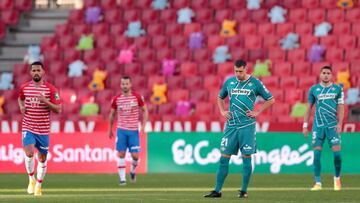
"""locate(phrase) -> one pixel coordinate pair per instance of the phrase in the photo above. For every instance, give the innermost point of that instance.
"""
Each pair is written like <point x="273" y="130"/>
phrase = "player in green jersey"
<point x="242" y="90"/>
<point x="328" y="99"/>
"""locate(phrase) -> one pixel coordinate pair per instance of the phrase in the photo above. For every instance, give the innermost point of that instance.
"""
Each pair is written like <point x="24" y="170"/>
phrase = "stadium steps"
<point x="32" y="27"/>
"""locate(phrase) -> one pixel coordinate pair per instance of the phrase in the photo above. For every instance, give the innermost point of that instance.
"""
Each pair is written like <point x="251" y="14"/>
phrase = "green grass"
<point x="176" y="188"/>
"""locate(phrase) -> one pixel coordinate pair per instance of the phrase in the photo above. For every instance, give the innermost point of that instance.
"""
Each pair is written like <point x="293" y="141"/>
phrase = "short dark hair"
<point x="126" y="77"/>
<point x="239" y="63"/>
<point x="37" y="63"/>
<point x="326" y="67"/>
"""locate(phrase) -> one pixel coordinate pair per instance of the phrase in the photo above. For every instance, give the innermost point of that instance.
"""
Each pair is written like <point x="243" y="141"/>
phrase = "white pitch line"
<point x="169" y="189"/>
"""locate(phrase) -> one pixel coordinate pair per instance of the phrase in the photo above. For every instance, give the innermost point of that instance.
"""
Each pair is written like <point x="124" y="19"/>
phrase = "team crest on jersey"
<point x="332" y="89"/>
<point x="57" y="97"/>
<point x="317" y="89"/>
<point x="231" y="83"/>
<point x="250" y="84"/>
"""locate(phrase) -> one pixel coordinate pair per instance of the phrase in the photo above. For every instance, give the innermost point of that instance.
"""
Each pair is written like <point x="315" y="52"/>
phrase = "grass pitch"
<point x="176" y="188"/>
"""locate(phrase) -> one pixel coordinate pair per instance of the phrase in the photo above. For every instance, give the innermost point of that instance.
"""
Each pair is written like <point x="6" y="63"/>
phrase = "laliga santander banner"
<point x="70" y="153"/>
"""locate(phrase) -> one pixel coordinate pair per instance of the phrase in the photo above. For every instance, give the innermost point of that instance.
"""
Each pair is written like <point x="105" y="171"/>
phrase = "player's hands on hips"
<point x="305" y="132"/>
<point x="142" y="130"/>
<point x="110" y="134"/>
<point x="338" y="127"/>
<point x="226" y="114"/>
<point x="252" y="114"/>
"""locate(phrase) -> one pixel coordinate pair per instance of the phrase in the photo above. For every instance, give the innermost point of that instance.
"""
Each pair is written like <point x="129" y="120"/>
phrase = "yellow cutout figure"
<point x="345" y="4"/>
<point x="343" y="77"/>
<point x="97" y="83"/>
<point x="228" y="28"/>
<point x="159" y="94"/>
<point x="2" y="101"/>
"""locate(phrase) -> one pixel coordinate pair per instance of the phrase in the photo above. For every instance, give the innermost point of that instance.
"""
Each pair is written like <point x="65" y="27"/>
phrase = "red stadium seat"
<point x="103" y="97"/>
<point x="328" y="4"/>
<point x="168" y="16"/>
<point x="57" y="68"/>
<point x="81" y="82"/>
<point x="298" y="15"/>
<point x="62" y="30"/>
<point x="168" y="108"/>
<point x="310" y="3"/>
<point x="218" y="3"/>
<point x="289" y="82"/>
<point x="71" y="55"/>
<point x="11" y="108"/>
<point x="6" y="5"/>
<point x="62" y="81"/>
<point x="215" y="41"/>
<point x="155" y="80"/>
<point x="76" y="16"/>
<point x="271" y="82"/>
<point x="242" y="15"/>
<point x="278" y="94"/>
<point x="316" y="67"/>
<point x="155" y="29"/>
<point x="23" y="5"/>
<point x="90" y="56"/>
<point x="180" y="4"/>
<point x="316" y="15"/>
<point x="257" y="54"/>
<point x="160" y="41"/>
<point x="132" y="69"/>
<point x="280" y="109"/>
<point x="335" y="15"/>
<point x="204" y="108"/>
<point x="108" y="4"/>
<point x="276" y="55"/>
<point x="113" y="82"/>
<point x="100" y="29"/>
<point x="2" y="30"/>
<point x="284" y="28"/>
<point x="225" y="69"/>
<point x="271" y="41"/>
<point x="352" y="15"/>
<point x="292" y="4"/>
<point x="259" y="16"/>
<point x="10" y="17"/>
<point x="81" y="29"/>
<point x="199" y="4"/>
<point x="126" y="4"/>
<point x="193" y="82"/>
<point x="296" y="55"/>
<point x="108" y="55"/>
<point x="211" y="29"/>
<point x="188" y="69"/>
<point x="90" y="3"/>
<point x="334" y="55"/>
<point x="304" y="29"/>
<point x="113" y="16"/>
<point x="151" y="68"/>
<point x="336" y="66"/>
<point x="223" y="14"/>
<point x="235" y="42"/>
<point x="131" y="15"/>
<point x="201" y="55"/>
<point x="340" y="29"/>
<point x="282" y="68"/>
<point x="270" y="3"/>
<point x="143" y="4"/>
<point x="294" y="95"/>
<point x="206" y="69"/>
<point x="352" y="54"/>
<point x="138" y="81"/>
<point x="355" y="29"/>
<point x="104" y="42"/>
<point x="212" y="82"/>
<point x="178" y="95"/>
<point x="347" y="41"/>
<point x="142" y="42"/>
<point x="164" y="54"/>
<point x="146" y="54"/>
<point x="19" y="69"/>
<point x="239" y="53"/>
<point x="204" y="15"/>
<point x="53" y="55"/>
<point x="183" y="54"/>
<point x="175" y="82"/>
<point x="247" y="29"/>
<point x="199" y="95"/>
<point x="266" y="29"/>
<point x="173" y="29"/>
<point x="306" y="41"/>
<point x="179" y="41"/>
<point x="306" y="82"/>
<point x="329" y="41"/>
<point x="191" y="28"/>
<point x="237" y="4"/>
<point x="117" y="29"/>
<point x="253" y="42"/>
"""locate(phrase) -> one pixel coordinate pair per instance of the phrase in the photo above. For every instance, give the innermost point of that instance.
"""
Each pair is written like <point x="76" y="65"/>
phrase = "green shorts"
<point x="319" y="135"/>
<point x="239" y="138"/>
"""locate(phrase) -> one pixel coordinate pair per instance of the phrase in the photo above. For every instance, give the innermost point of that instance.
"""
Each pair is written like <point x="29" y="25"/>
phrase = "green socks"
<point x="222" y="173"/>
<point x="337" y="163"/>
<point x="317" y="165"/>
<point x="247" y="169"/>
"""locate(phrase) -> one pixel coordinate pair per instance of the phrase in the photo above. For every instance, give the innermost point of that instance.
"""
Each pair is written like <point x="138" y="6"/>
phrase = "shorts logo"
<point x="46" y="148"/>
<point x="334" y="140"/>
<point x="247" y="147"/>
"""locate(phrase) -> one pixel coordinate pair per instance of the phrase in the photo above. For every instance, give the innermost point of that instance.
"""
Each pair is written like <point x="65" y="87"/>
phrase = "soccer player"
<point x="328" y="99"/>
<point x="127" y="105"/>
<point x="240" y="125"/>
<point x="36" y="99"/>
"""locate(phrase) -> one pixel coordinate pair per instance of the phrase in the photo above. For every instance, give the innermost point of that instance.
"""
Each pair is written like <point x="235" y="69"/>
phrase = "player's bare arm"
<point x="145" y="118"/>
<point x="265" y="106"/>
<point x="306" y="119"/>
<point x="56" y="108"/>
<point x="222" y="108"/>
<point x="21" y="105"/>
<point x="111" y="122"/>
<point x="341" y="113"/>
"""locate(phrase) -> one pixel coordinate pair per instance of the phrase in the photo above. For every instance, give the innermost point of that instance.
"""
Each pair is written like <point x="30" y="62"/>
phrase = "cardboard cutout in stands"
<point x="261" y="69"/>
<point x="322" y="29"/>
<point x="98" y="81"/>
<point x="126" y="55"/>
<point x="6" y="80"/>
<point x="316" y="53"/>
<point x="33" y="54"/>
<point x="185" y="15"/>
<point x="253" y="4"/>
<point x="221" y="54"/>
<point x="343" y="78"/>
<point x="228" y="28"/>
<point x="159" y="4"/>
<point x="134" y="29"/>
<point x="2" y="102"/>
<point x="277" y="14"/>
<point x="159" y="94"/>
<point x="291" y="41"/>
<point x="345" y="4"/>
<point x="86" y="42"/>
<point x="352" y="96"/>
<point x="196" y="40"/>
<point x="93" y="15"/>
<point x="76" y="68"/>
<point x="169" y="67"/>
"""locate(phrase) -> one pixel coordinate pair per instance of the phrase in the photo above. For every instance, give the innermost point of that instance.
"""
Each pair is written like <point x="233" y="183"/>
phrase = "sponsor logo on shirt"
<point x="327" y="96"/>
<point x="240" y="91"/>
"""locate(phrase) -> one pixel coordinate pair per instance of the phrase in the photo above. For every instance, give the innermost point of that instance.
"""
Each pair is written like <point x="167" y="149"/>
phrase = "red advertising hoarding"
<point x="70" y="153"/>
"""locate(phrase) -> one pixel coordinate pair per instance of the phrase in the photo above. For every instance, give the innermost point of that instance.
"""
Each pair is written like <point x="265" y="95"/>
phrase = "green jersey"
<point x="326" y="100"/>
<point x="242" y="96"/>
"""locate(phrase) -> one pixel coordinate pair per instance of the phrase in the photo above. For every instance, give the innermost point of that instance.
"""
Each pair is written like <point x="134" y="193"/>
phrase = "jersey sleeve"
<point x="223" y="91"/>
<point x="263" y="91"/>
<point x="140" y="99"/>
<point x="113" y="103"/>
<point x="340" y="96"/>
<point x="21" y="93"/>
<point x="54" y="96"/>
<point x="311" y="97"/>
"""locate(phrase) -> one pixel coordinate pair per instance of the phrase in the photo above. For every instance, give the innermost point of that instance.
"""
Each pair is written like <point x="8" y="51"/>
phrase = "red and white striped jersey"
<point x="127" y="108"/>
<point x="37" y="115"/>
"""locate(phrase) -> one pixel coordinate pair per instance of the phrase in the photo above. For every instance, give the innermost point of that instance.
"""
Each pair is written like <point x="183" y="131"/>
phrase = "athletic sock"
<point x="337" y="163"/>
<point x="247" y="169"/>
<point x="317" y="166"/>
<point x="222" y="173"/>
<point x="122" y="169"/>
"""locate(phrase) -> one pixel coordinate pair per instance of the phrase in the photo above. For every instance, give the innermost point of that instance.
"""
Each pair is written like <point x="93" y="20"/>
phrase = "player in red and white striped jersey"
<point x="36" y="99"/>
<point x="127" y="105"/>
